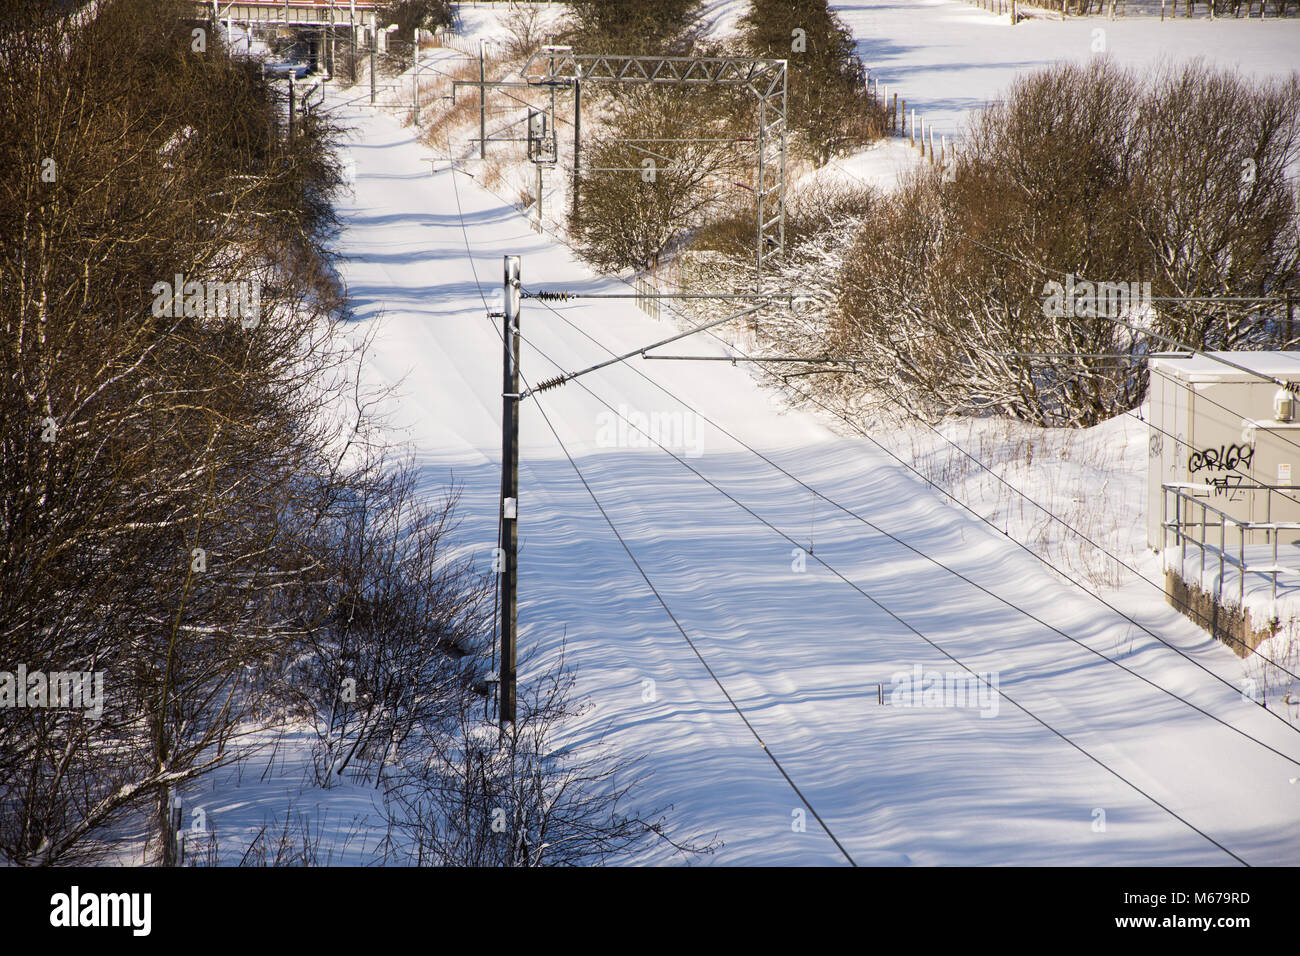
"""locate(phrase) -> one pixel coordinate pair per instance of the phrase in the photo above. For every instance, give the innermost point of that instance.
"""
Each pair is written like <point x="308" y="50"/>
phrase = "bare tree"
<point x="954" y="293"/>
<point x="163" y="457"/>
<point x="645" y="187"/>
<point x="481" y="797"/>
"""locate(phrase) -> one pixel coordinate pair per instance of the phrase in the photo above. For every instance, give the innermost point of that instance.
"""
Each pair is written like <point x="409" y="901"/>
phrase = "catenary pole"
<point x="509" y="485"/>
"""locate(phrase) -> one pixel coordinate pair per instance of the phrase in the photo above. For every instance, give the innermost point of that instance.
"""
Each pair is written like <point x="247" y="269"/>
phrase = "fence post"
<point x="172" y="836"/>
<point x="1272" y="607"/>
<point x="1164" y="528"/>
<point x="1290" y="316"/>
<point x="1223" y="531"/>
<point x="1200" y="581"/>
<point x="1182" y="538"/>
<point x="1241" y="568"/>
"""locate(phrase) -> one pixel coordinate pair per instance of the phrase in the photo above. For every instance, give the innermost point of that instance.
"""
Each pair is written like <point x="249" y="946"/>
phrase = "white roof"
<point x="1205" y="368"/>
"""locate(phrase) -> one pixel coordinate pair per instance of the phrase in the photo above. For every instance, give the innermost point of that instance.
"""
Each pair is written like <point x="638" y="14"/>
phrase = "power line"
<point x="1051" y="514"/>
<point x="695" y="650"/>
<point x="496" y="578"/>
<point x="948" y="569"/>
<point x="914" y="630"/>
<point x="1186" y="606"/>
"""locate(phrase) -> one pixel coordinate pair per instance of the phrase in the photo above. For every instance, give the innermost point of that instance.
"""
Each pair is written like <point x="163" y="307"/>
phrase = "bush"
<point x="191" y="505"/>
<point x="646" y="26"/>
<point x="160" y="470"/>
<point x="1084" y="170"/>
<point x="828" y="102"/>
<point x="410" y="14"/>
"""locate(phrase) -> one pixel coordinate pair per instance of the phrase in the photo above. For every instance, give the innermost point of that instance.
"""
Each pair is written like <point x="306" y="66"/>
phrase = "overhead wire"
<point x="947" y="654"/>
<point x="645" y="577"/>
<point x="939" y="563"/>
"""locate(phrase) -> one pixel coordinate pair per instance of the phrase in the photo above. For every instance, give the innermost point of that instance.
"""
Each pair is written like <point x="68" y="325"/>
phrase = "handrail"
<point x="1182" y="521"/>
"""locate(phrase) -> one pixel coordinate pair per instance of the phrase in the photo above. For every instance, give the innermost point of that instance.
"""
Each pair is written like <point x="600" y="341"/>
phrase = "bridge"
<point x="287" y="12"/>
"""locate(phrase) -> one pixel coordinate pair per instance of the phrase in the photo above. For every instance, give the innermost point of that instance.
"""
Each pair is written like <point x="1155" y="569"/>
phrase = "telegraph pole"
<point x="509" y="485"/>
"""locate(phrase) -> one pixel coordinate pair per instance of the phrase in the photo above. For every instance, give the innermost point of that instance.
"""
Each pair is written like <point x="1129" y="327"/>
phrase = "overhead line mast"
<point x="512" y="395"/>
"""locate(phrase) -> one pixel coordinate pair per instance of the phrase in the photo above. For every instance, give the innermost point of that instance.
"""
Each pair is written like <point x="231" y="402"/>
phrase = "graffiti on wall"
<point x="1223" y="458"/>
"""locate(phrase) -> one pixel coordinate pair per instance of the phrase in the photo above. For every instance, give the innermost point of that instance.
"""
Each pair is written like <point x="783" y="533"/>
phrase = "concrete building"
<point x="1223" y="482"/>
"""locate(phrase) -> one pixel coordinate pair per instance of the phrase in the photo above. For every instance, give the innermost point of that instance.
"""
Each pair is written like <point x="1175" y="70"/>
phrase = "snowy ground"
<point x="948" y="58"/>
<point x="1101" y="766"/>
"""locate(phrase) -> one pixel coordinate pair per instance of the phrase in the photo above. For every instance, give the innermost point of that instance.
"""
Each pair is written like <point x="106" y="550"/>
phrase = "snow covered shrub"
<point x="829" y="108"/>
<point x="397" y="632"/>
<point x="410" y="14"/>
<point x="525" y="25"/>
<point x="521" y="798"/>
<point x="645" y="26"/>
<point x="1087" y="177"/>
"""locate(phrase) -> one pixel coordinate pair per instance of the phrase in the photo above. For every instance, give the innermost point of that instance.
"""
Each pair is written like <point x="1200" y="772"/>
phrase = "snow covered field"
<point x="948" y="58"/>
<point x="813" y="573"/>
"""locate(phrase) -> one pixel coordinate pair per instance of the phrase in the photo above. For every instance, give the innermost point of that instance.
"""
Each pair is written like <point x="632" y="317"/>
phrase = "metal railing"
<point x="1185" y="500"/>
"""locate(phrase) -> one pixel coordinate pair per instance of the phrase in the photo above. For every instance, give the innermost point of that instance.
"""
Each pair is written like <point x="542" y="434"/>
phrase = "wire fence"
<point x="1164" y="9"/>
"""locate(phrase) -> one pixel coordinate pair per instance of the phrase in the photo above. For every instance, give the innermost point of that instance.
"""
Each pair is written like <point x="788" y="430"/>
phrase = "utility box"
<point x="1234" y="431"/>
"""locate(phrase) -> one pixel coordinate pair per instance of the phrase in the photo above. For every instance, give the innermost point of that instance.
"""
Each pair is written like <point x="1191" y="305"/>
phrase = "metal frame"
<point x="292" y="13"/>
<point x="1183" y="519"/>
<point x="765" y="78"/>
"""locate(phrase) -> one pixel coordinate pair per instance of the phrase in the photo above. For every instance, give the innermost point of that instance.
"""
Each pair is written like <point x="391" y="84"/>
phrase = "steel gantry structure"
<point x="766" y="79"/>
<point x="285" y="12"/>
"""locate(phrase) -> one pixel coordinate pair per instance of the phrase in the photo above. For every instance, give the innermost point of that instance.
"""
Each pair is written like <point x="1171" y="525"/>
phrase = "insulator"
<point x="553" y="296"/>
<point x="551" y="383"/>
